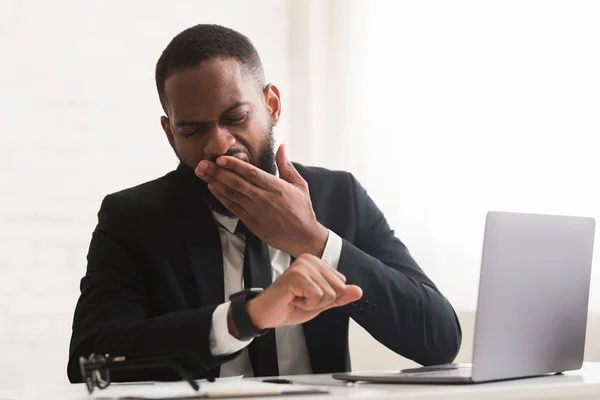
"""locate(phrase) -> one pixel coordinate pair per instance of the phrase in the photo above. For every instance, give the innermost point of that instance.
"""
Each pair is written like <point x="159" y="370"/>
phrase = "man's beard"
<point x="266" y="162"/>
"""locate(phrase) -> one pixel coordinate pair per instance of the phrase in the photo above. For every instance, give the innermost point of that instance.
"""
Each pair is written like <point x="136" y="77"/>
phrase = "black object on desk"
<point x="278" y="380"/>
<point x="95" y="370"/>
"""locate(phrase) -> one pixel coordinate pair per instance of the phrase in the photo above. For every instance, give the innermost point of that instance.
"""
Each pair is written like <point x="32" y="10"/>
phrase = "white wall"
<point x="80" y="119"/>
<point x="474" y="106"/>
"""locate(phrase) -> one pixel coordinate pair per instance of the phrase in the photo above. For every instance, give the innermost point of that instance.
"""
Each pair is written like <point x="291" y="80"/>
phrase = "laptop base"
<point x="452" y="375"/>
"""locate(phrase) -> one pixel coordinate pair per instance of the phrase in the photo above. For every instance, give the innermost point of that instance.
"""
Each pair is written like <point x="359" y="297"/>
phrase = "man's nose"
<point x="219" y="142"/>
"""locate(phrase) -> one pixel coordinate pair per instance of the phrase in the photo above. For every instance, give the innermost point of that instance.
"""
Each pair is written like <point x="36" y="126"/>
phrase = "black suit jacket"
<point x="155" y="275"/>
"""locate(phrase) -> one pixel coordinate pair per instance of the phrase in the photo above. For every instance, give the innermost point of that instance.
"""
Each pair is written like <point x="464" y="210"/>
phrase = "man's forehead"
<point x="209" y="88"/>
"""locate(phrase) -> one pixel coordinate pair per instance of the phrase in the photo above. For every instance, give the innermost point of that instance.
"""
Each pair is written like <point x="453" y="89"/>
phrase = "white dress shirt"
<point x="292" y="354"/>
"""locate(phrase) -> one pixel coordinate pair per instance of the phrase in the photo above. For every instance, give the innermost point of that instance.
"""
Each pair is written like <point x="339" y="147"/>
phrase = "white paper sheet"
<point x="222" y="388"/>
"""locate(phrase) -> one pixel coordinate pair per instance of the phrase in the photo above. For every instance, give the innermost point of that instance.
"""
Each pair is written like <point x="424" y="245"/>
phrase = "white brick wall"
<point x="79" y="118"/>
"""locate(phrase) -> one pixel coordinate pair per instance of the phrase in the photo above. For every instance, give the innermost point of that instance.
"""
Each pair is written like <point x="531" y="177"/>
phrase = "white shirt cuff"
<point x="222" y="342"/>
<point x="333" y="250"/>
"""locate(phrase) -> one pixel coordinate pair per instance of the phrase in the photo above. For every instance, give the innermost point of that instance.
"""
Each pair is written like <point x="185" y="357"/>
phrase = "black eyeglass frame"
<point x="95" y="370"/>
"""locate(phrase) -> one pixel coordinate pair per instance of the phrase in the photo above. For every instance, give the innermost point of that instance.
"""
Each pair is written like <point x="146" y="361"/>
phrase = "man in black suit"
<point x="250" y="262"/>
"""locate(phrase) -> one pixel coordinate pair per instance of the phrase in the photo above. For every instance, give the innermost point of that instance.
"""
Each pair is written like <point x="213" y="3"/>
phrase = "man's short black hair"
<point x="204" y="42"/>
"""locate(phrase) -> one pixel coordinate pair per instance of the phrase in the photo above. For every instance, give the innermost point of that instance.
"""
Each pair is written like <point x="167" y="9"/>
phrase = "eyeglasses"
<point x="95" y="370"/>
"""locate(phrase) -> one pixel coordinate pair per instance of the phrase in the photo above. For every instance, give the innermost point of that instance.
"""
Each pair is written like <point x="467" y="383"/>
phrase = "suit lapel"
<point x="198" y="232"/>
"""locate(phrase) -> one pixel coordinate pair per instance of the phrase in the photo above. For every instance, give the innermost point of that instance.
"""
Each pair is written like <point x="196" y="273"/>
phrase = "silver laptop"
<point x="533" y="302"/>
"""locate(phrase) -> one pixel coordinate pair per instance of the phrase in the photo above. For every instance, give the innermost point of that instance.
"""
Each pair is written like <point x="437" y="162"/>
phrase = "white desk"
<point x="583" y="384"/>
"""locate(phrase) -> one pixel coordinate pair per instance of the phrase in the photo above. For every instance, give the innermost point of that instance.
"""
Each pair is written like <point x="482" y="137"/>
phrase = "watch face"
<point x="252" y="292"/>
<point x="248" y="293"/>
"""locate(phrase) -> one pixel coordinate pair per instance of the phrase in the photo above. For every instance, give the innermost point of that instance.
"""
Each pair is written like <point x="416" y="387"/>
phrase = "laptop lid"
<point x="533" y="295"/>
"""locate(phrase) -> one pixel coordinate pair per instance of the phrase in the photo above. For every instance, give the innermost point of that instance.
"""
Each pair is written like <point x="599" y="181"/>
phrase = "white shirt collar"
<point x="229" y="223"/>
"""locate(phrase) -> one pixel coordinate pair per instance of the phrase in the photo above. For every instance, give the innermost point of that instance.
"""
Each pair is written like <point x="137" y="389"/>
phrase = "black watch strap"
<point x="239" y="314"/>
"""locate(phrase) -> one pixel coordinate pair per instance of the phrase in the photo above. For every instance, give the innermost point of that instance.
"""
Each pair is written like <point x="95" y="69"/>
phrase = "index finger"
<point x="249" y="172"/>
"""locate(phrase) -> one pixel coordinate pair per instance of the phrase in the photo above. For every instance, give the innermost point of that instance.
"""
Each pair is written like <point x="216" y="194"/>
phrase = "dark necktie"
<point x="258" y="274"/>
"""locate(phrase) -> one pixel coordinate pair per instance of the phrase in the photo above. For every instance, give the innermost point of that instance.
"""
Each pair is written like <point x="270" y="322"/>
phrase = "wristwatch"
<point x="239" y="315"/>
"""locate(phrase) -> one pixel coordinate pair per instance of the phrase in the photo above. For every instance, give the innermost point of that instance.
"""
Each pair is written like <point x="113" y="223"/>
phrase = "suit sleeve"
<point x="111" y="315"/>
<point x="401" y="307"/>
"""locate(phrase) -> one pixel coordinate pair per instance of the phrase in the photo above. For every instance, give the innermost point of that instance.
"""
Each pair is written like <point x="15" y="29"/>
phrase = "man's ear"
<point x="273" y="102"/>
<point x="166" y="125"/>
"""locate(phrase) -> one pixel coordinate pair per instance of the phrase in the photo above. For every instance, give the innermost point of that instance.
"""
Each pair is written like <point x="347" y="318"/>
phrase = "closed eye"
<point x="194" y="133"/>
<point x="236" y="119"/>
<point x="189" y="135"/>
